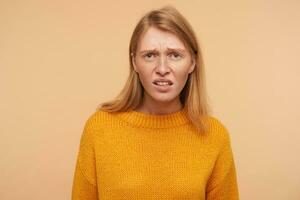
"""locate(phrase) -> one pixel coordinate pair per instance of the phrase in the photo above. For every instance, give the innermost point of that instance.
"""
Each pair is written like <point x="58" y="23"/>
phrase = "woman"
<point x="156" y="140"/>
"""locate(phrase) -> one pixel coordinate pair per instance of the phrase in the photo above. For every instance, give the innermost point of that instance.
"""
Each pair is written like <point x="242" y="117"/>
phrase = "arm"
<point x="84" y="182"/>
<point x="222" y="184"/>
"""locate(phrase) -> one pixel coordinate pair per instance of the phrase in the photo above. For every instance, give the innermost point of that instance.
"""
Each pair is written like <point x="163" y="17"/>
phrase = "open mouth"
<point x="163" y="83"/>
<point x="163" y="86"/>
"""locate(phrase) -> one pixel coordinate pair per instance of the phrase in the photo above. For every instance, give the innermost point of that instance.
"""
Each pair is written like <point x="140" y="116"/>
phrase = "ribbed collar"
<point x="146" y="120"/>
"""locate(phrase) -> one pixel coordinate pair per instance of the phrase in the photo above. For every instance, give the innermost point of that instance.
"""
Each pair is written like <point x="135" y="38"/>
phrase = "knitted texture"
<point x="134" y="155"/>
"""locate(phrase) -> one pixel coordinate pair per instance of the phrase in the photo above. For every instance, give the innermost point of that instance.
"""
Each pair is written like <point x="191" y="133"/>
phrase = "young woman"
<point x="156" y="140"/>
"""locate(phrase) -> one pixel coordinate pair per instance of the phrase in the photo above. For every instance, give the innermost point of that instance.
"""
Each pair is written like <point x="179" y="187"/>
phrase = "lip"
<point x="163" y="88"/>
<point x="162" y="79"/>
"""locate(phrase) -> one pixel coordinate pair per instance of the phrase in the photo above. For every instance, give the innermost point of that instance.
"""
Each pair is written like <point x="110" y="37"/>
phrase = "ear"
<point x="192" y="67"/>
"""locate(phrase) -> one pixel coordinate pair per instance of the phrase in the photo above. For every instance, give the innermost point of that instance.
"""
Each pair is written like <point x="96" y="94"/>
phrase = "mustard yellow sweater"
<point x="134" y="155"/>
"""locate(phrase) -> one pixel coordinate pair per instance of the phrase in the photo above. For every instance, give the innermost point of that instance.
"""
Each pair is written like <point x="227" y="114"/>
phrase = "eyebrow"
<point x="169" y="49"/>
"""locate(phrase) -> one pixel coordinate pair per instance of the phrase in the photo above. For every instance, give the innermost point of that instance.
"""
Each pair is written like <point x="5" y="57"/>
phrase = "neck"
<point x="151" y="106"/>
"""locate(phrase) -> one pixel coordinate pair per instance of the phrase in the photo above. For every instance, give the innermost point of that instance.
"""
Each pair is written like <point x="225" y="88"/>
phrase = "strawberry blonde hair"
<point x="193" y="96"/>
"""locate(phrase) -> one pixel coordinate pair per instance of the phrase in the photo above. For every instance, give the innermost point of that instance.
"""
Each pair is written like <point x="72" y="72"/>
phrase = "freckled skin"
<point x="174" y="65"/>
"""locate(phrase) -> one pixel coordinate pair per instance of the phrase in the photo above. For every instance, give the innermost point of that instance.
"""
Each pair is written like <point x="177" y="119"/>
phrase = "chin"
<point x="164" y="97"/>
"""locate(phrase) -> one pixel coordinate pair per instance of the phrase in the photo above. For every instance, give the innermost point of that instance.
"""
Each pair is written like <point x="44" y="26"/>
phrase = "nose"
<point x="162" y="66"/>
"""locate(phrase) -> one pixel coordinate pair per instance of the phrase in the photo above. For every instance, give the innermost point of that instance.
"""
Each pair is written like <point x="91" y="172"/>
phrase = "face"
<point x="162" y="55"/>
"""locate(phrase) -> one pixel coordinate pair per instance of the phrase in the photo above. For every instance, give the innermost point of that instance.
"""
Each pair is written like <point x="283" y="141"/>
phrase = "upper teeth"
<point x="162" y="82"/>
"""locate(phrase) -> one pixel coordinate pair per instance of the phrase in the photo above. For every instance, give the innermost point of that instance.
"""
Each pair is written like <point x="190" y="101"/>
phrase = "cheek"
<point x="181" y="77"/>
<point x="182" y="80"/>
<point x="182" y="69"/>
<point x="144" y="76"/>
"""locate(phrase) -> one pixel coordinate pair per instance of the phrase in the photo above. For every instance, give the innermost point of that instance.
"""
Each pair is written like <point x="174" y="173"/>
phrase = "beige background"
<point x="59" y="59"/>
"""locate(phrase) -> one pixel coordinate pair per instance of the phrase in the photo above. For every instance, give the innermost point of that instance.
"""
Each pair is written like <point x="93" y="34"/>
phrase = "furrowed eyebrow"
<point x="169" y="49"/>
<point x="176" y="49"/>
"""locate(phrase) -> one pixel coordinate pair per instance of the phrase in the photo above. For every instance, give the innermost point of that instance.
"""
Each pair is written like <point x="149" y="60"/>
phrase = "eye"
<point x="149" y="56"/>
<point x="176" y="56"/>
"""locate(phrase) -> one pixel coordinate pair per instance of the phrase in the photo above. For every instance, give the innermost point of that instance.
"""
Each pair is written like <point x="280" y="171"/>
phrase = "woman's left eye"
<point x="176" y="55"/>
<point x="149" y="55"/>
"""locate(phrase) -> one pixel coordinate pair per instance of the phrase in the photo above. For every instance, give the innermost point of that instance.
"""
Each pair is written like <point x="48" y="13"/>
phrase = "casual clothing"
<point x="134" y="155"/>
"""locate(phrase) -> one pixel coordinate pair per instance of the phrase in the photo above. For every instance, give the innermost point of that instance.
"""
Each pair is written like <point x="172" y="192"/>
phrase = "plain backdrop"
<point x="60" y="59"/>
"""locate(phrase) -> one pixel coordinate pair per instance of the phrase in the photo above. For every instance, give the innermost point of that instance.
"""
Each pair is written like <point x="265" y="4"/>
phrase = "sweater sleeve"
<point x="222" y="184"/>
<point x="84" y="179"/>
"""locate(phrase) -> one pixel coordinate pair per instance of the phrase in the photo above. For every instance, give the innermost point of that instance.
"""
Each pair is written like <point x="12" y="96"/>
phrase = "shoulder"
<point x="93" y="127"/>
<point x="96" y="120"/>
<point x="217" y="129"/>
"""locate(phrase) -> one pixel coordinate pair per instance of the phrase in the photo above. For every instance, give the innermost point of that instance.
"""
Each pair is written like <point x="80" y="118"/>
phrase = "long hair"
<point x="193" y="96"/>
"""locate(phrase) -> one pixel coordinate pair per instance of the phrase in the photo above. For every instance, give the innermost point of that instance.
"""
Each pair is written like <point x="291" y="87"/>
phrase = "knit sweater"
<point x="134" y="155"/>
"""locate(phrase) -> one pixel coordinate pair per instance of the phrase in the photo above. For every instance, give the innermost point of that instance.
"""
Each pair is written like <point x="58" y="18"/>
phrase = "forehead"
<point x="156" y="38"/>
